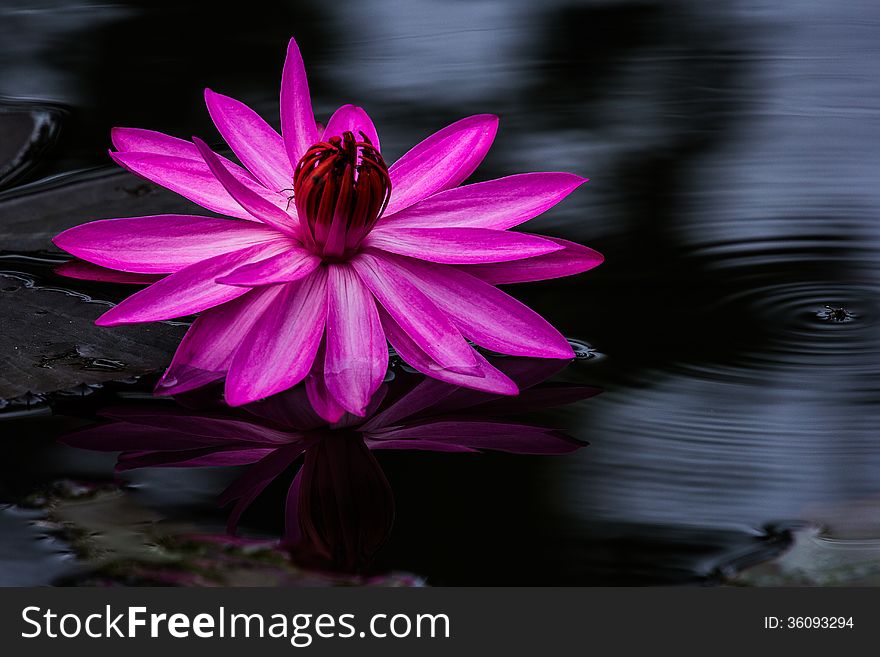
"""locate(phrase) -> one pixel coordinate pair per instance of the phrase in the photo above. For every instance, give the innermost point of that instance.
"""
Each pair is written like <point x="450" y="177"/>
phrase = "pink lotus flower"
<point x="310" y="285"/>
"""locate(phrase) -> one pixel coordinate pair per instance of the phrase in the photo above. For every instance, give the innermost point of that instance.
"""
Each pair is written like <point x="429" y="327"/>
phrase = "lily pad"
<point x="52" y="343"/>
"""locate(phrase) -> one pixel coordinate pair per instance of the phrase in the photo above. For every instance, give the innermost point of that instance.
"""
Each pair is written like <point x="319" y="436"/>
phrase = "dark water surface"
<point x="733" y="155"/>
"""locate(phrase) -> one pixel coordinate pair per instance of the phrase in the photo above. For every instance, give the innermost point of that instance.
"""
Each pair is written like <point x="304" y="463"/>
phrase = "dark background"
<point x="733" y="154"/>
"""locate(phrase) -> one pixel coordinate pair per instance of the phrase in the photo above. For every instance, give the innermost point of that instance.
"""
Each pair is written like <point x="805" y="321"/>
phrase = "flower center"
<point x="340" y="188"/>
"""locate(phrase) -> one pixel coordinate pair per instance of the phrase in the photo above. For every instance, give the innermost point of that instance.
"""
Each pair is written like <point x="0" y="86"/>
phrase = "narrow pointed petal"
<point x="86" y="271"/>
<point x="488" y="378"/>
<point x="427" y="394"/>
<point x="244" y="490"/>
<point x="291" y="408"/>
<point x="572" y="259"/>
<point x="254" y="203"/>
<point x="190" y="290"/>
<point x="159" y="244"/>
<point x="540" y="398"/>
<point x="192" y="179"/>
<point x="443" y="160"/>
<point x="487" y="315"/>
<point x="357" y="353"/>
<point x="355" y="119"/>
<point x="459" y="246"/>
<point x="352" y="421"/>
<point x="292" y="265"/>
<point x="418" y="445"/>
<point x="206" y="351"/>
<point x="204" y="429"/>
<point x="278" y="351"/>
<point x="322" y="400"/>
<point x="253" y="141"/>
<point x="138" y="140"/>
<point x="297" y="116"/>
<point x="529" y="372"/>
<point x="425" y="324"/>
<point x="195" y="458"/>
<point x="486" y="435"/>
<point x="524" y="372"/>
<point x="499" y="204"/>
<point x="292" y="531"/>
<point x="131" y="436"/>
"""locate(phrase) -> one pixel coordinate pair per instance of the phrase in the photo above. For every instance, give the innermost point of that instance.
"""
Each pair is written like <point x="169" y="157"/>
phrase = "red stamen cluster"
<point x="340" y="188"/>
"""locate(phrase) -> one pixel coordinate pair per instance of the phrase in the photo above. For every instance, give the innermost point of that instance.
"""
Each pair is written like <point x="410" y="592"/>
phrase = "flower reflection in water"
<point x="340" y="507"/>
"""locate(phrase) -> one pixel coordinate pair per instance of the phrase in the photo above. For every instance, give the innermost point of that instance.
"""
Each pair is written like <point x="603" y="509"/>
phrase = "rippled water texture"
<point x="733" y="155"/>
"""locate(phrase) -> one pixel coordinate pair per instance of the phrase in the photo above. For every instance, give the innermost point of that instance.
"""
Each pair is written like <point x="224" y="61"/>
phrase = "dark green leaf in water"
<point x="51" y="343"/>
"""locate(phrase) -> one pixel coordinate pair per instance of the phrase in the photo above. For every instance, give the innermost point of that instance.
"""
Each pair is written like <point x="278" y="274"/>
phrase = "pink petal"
<point x="352" y="421"/>
<point x="292" y="265"/>
<point x="203" y="429"/>
<point x="430" y="328"/>
<point x="297" y="116"/>
<point x="278" y="351"/>
<point x="357" y="354"/>
<point x="441" y="161"/>
<point x="195" y="458"/>
<point x="138" y="140"/>
<point x="355" y="119"/>
<point x="290" y="409"/>
<point x="206" y="351"/>
<point x="322" y="401"/>
<point x="488" y="379"/>
<point x="459" y="245"/>
<point x="499" y="204"/>
<point x="253" y="141"/>
<point x="190" y="290"/>
<point x="536" y="399"/>
<point x="250" y="200"/>
<point x="191" y="179"/>
<point x="86" y="271"/>
<point x="128" y="436"/>
<point x="160" y="244"/>
<point x="497" y="436"/>
<point x="573" y="259"/>
<point x="524" y="372"/>
<point x="426" y="394"/>
<point x="529" y="372"/>
<point x="292" y="532"/>
<point x="248" y="487"/>
<point x="420" y="445"/>
<point x="487" y="315"/>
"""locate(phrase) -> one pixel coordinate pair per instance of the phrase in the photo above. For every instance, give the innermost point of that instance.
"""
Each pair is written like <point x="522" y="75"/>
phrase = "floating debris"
<point x="835" y="314"/>
<point x="74" y="357"/>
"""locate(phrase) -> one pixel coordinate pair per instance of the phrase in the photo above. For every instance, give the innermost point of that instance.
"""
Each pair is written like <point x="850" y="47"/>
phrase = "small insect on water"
<point x="833" y="314"/>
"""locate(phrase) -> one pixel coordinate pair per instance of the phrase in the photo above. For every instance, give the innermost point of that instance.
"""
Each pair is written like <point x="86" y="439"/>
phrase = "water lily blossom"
<point x="325" y="254"/>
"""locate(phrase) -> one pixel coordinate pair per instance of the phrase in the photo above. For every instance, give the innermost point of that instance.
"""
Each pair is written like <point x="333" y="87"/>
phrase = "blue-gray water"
<point x="733" y="155"/>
